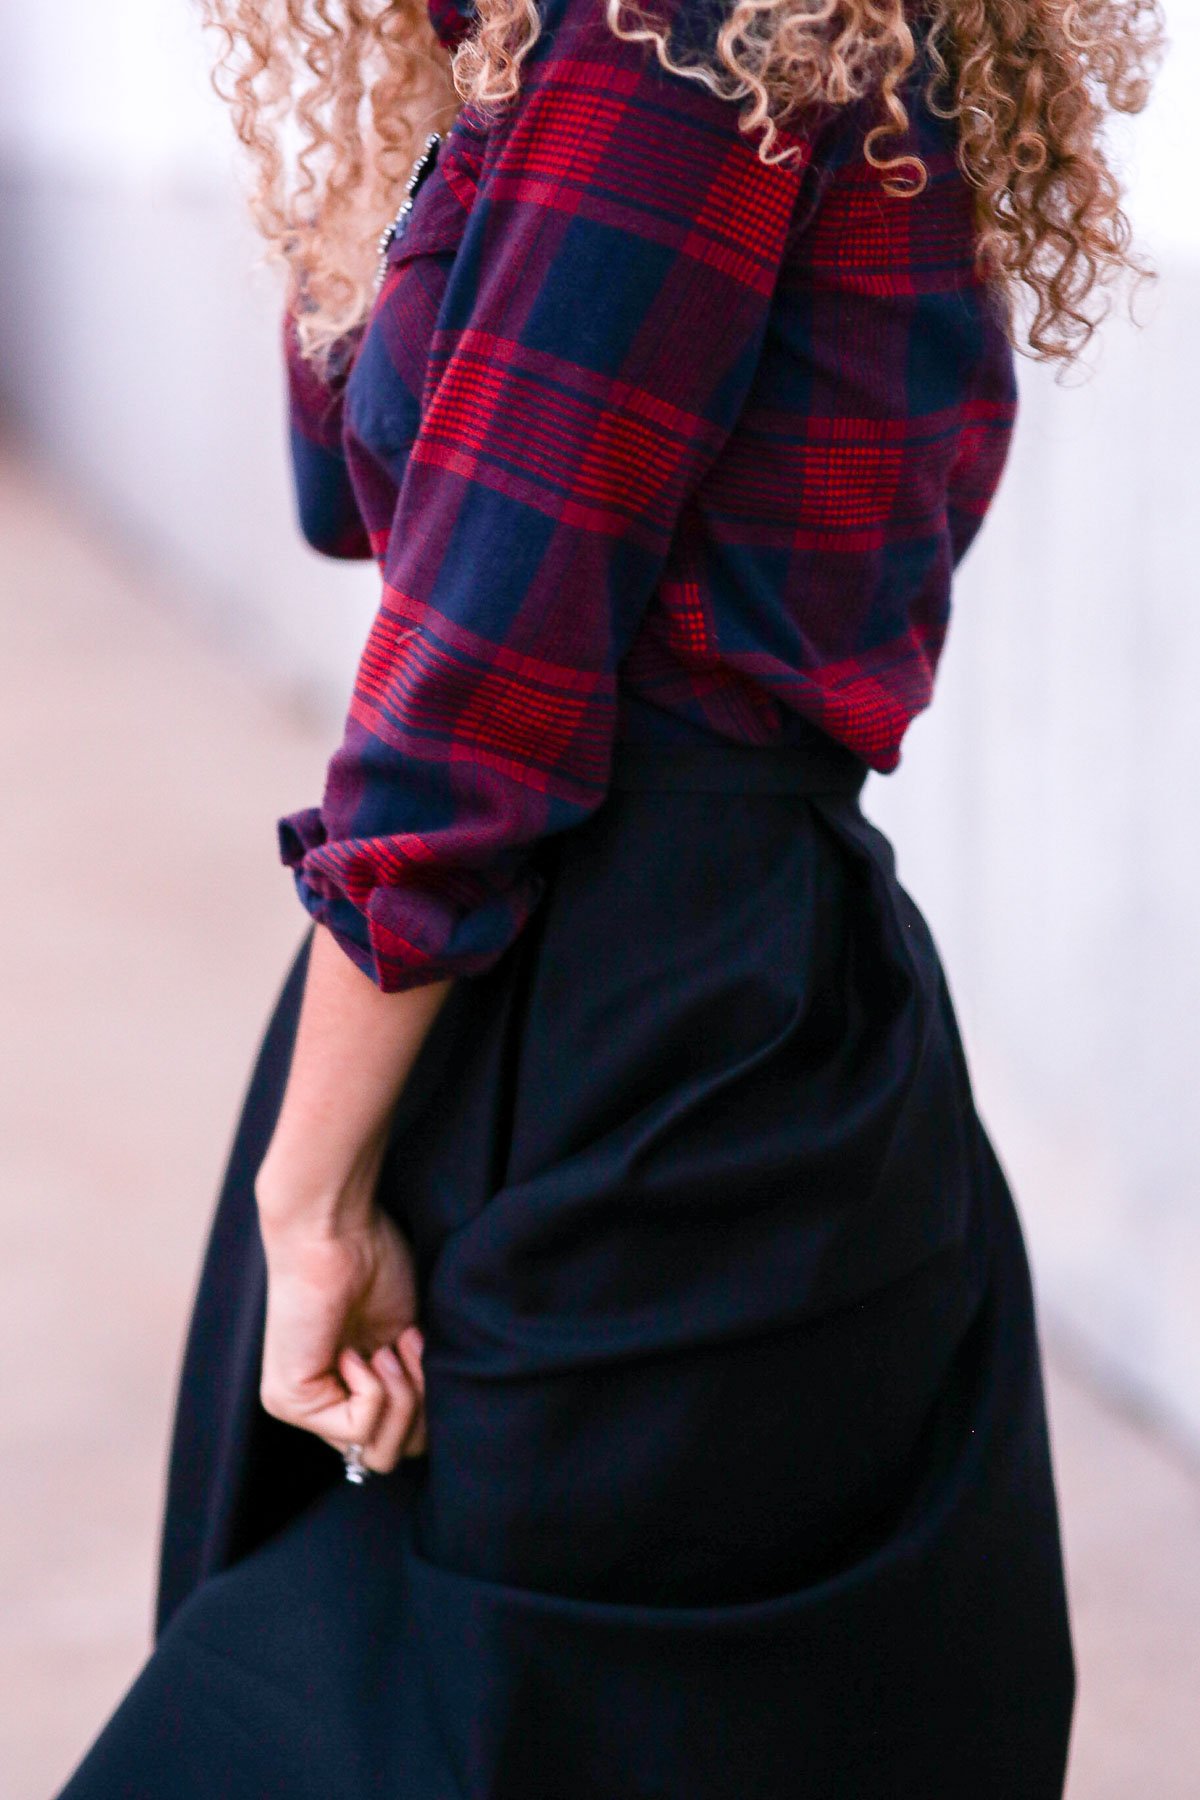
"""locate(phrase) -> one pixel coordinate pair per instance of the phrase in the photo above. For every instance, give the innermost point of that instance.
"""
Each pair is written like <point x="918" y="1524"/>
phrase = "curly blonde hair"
<point x="332" y="98"/>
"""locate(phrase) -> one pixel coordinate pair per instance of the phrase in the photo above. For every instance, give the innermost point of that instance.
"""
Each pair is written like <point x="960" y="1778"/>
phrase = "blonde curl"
<point x="1030" y="85"/>
<point x="331" y="100"/>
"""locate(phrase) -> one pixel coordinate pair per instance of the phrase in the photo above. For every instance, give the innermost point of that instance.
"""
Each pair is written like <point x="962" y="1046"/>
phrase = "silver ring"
<point x="356" y="1469"/>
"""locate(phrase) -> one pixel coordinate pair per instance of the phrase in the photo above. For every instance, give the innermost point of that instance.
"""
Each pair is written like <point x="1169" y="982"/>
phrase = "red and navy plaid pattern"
<point x="652" y="442"/>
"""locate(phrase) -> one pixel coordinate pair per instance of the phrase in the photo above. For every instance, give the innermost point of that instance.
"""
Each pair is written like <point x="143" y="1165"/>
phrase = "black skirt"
<point x="738" y="1484"/>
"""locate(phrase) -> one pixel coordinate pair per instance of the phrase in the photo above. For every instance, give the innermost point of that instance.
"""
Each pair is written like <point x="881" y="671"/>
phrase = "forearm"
<point x="354" y="1048"/>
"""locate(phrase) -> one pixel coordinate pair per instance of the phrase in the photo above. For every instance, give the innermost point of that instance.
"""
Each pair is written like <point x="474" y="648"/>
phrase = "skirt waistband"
<point x="819" y="765"/>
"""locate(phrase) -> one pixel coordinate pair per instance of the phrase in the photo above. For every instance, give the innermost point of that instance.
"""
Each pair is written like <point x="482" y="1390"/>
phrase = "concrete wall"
<point x="141" y="354"/>
<point x="1045" y="813"/>
<point x="138" y="335"/>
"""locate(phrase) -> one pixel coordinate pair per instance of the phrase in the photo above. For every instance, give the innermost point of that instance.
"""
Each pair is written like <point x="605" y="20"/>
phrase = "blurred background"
<point x="173" y="670"/>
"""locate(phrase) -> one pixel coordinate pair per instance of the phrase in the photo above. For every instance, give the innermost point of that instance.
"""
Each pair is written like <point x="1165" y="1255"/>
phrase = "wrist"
<point x="296" y="1196"/>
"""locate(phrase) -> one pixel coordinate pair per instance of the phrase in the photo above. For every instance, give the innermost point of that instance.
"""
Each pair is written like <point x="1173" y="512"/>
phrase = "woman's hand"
<point x="342" y="1351"/>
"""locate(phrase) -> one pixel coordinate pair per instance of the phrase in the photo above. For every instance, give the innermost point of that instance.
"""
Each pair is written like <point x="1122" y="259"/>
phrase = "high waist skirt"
<point x="738" y="1484"/>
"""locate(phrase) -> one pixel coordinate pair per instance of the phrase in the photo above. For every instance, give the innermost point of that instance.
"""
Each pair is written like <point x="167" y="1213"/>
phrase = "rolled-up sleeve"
<point x="599" y="330"/>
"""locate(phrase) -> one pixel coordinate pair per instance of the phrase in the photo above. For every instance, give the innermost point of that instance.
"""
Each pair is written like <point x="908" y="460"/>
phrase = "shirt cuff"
<point x="449" y="922"/>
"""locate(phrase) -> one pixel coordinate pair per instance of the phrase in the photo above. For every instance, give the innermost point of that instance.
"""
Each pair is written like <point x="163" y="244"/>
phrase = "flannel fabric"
<point x="652" y="442"/>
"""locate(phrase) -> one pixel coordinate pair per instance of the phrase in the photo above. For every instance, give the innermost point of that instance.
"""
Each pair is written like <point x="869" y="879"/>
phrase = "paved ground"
<point x="146" y="925"/>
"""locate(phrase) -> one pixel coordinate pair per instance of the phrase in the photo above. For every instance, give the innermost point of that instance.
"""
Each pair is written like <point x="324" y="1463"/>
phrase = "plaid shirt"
<point x="651" y="442"/>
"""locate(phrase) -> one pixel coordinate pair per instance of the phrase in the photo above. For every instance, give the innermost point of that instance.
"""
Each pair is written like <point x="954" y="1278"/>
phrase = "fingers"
<point x="356" y="1418"/>
<point x="411" y="1346"/>
<point x="379" y="1404"/>
<point x="399" y="1415"/>
<point x="342" y="1411"/>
